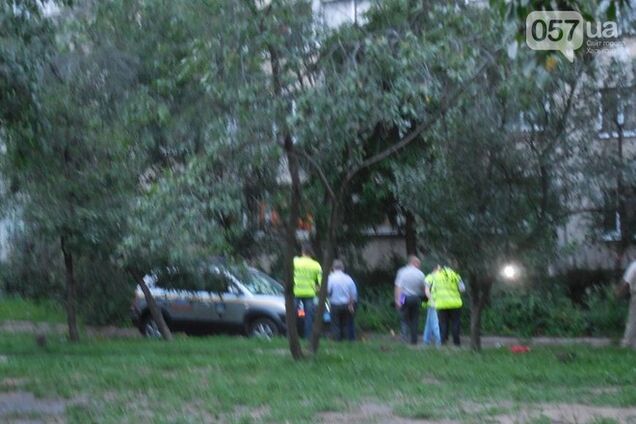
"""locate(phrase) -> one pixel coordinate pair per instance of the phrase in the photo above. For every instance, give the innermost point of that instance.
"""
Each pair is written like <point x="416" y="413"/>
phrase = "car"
<point x="247" y="301"/>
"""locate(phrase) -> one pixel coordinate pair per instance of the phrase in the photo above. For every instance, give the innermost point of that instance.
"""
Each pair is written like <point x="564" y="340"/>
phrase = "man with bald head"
<point x="409" y="291"/>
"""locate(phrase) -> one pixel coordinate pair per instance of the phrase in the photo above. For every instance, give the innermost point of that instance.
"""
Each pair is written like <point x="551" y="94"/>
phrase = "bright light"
<point x="510" y="272"/>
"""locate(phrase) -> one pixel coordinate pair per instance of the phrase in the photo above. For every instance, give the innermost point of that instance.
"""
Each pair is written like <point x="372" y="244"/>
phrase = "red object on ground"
<point x="519" y="349"/>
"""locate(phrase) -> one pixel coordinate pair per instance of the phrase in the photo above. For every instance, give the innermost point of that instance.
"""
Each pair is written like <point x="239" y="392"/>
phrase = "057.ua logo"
<point x="564" y="31"/>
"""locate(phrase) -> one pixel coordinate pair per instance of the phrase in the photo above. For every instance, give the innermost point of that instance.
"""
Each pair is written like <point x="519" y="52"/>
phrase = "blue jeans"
<point x="310" y="310"/>
<point x="431" y="328"/>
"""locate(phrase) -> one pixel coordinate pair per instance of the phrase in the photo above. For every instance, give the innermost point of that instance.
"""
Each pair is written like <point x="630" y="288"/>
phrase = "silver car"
<point x="248" y="301"/>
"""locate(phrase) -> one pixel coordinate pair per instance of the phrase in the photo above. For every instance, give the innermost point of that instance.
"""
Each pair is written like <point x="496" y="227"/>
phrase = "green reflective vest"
<point x="445" y="289"/>
<point x="307" y="276"/>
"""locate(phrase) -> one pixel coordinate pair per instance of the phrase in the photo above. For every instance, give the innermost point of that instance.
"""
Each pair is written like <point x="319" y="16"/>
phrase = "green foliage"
<point x="15" y="308"/>
<point x="550" y="313"/>
<point x="532" y="313"/>
<point x="376" y="310"/>
<point x="34" y="272"/>
<point x="605" y="315"/>
<point x="33" y="269"/>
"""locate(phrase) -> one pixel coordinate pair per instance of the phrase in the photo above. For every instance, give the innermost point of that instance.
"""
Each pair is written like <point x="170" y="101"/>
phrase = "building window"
<point x="616" y="223"/>
<point x="618" y="111"/>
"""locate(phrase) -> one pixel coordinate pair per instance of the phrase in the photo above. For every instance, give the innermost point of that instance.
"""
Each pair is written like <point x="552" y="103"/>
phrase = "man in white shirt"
<point x="342" y="295"/>
<point x="409" y="291"/>
<point x="629" y="284"/>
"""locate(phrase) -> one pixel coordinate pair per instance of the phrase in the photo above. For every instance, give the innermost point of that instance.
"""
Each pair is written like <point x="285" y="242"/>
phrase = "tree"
<point x="70" y="175"/>
<point x="70" y="169"/>
<point x="189" y="203"/>
<point x="384" y="88"/>
<point x="335" y="105"/>
<point x="496" y="185"/>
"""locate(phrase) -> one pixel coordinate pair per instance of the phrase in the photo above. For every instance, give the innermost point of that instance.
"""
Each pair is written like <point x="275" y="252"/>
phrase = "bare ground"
<point x="46" y="328"/>
<point x="372" y="412"/>
<point x="24" y="407"/>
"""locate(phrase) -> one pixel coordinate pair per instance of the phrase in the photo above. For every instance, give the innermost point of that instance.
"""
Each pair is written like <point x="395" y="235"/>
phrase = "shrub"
<point x="376" y="311"/>
<point x="35" y="271"/>
<point x="605" y="314"/>
<point x="532" y="313"/>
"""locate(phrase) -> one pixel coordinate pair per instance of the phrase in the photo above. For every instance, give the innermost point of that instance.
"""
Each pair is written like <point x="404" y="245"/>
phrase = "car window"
<point x="218" y="281"/>
<point x="257" y="282"/>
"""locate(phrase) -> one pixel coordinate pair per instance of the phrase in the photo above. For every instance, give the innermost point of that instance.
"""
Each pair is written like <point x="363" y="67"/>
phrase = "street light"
<point x="510" y="272"/>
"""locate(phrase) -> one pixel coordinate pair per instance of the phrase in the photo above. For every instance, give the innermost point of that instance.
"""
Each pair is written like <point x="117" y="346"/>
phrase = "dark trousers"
<point x="340" y="317"/>
<point x="449" y="319"/>
<point x="410" y="317"/>
<point x="352" y="325"/>
<point x="310" y="309"/>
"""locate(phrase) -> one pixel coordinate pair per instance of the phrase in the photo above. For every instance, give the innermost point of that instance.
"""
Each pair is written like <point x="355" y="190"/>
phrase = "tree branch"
<point x="319" y="170"/>
<point x="424" y="126"/>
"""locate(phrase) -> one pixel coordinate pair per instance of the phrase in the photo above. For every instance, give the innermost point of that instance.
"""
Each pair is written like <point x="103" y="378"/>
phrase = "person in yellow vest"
<point x="446" y="289"/>
<point x="307" y="278"/>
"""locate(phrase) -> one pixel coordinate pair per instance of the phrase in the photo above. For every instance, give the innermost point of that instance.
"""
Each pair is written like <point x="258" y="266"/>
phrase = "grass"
<point x="233" y="379"/>
<point x="16" y="308"/>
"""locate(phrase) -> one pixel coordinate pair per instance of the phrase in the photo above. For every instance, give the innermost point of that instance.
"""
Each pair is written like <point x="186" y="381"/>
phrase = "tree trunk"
<point x="71" y="291"/>
<point x="290" y="250"/>
<point x="329" y="256"/>
<point x="155" y="312"/>
<point x="410" y="233"/>
<point x="294" y="212"/>
<point x="479" y="295"/>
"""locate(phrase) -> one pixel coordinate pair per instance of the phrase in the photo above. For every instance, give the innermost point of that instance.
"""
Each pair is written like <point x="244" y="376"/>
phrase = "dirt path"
<point x="501" y="341"/>
<point x="10" y="326"/>
<point x="29" y="327"/>
<point x="372" y="412"/>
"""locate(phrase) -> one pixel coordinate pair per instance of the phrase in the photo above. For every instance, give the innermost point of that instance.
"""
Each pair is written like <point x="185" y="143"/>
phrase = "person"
<point x="341" y="292"/>
<point x="431" y="326"/>
<point x="307" y="278"/>
<point x="446" y="290"/>
<point x="409" y="290"/>
<point x="629" y="284"/>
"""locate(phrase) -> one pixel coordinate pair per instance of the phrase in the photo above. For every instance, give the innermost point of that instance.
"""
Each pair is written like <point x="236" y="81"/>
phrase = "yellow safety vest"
<point x="307" y="276"/>
<point x="445" y="289"/>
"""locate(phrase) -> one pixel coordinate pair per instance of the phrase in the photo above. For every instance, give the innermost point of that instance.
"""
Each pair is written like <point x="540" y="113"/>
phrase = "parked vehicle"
<point x="248" y="301"/>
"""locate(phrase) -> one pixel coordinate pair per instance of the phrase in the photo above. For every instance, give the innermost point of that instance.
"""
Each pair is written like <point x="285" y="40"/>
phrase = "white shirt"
<point x="630" y="276"/>
<point x="341" y="288"/>
<point x="410" y="280"/>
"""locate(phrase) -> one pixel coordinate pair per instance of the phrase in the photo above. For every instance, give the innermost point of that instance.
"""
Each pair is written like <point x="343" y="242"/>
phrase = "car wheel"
<point x="263" y="328"/>
<point x="149" y="327"/>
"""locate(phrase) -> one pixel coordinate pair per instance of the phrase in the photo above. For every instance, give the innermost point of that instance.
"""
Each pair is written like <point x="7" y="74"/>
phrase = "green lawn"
<point x="16" y="308"/>
<point x="233" y="379"/>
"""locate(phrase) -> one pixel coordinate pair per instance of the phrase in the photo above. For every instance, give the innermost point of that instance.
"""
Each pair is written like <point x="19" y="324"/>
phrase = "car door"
<point x="177" y="303"/>
<point x="222" y="307"/>
<point x="234" y="305"/>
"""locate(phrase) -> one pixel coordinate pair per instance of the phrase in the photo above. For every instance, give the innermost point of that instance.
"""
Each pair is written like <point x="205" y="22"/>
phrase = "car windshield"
<point x="258" y="282"/>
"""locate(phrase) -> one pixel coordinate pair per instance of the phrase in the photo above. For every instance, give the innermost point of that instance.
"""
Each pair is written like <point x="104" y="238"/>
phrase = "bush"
<point x="17" y="308"/>
<point x="35" y="271"/>
<point x="527" y="313"/>
<point x="376" y="311"/>
<point x="532" y="313"/>
<point x="604" y="315"/>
